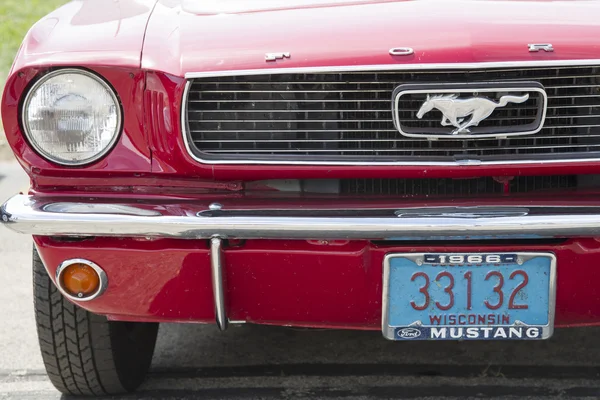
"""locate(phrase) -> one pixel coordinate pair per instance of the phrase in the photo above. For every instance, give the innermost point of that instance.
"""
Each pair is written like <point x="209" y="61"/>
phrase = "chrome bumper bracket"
<point x="216" y="265"/>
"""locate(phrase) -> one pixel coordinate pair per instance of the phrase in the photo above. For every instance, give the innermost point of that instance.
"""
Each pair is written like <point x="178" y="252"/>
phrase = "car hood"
<point x="87" y="33"/>
<point x="207" y="36"/>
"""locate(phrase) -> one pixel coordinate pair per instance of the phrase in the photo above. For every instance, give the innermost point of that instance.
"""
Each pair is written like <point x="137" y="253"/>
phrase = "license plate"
<point x="471" y="296"/>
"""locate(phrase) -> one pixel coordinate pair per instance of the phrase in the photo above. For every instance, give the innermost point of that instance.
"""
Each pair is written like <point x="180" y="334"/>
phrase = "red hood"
<point x="203" y="35"/>
<point x="88" y="33"/>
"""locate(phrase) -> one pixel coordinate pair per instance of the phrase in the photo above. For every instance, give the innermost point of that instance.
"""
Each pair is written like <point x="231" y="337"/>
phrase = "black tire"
<point x="84" y="353"/>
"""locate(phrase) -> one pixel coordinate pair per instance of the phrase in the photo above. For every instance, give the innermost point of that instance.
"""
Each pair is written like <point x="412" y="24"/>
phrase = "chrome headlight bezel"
<point x="45" y="154"/>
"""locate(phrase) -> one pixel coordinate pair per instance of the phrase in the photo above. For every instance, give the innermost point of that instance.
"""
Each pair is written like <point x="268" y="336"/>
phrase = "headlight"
<point x="71" y="117"/>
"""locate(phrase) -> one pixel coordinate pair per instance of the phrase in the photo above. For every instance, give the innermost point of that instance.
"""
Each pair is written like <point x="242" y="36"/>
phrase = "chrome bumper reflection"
<point x="40" y="216"/>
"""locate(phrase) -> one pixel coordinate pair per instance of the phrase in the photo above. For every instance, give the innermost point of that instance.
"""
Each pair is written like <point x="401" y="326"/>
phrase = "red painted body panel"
<point x="196" y="36"/>
<point x="129" y="156"/>
<point x="86" y="33"/>
<point x="303" y="283"/>
<point x="193" y="37"/>
<point x="300" y="283"/>
<point x="109" y="43"/>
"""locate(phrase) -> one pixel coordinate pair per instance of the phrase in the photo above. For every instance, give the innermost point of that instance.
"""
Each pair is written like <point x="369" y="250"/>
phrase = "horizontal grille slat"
<point x="524" y="148"/>
<point x="345" y="130"/>
<point x="373" y="120"/>
<point x="348" y="116"/>
<point x="565" y="116"/>
<point x="348" y="101"/>
<point x="305" y="130"/>
<point x="333" y="140"/>
<point x="365" y="121"/>
<point x="327" y="91"/>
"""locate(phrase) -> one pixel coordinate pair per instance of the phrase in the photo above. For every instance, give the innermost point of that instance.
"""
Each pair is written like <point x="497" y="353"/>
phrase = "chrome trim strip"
<point x="368" y="68"/>
<point x="28" y="214"/>
<point x="395" y="67"/>
<point x="101" y="275"/>
<point x="216" y="266"/>
<point x="82" y="208"/>
<point x="548" y="330"/>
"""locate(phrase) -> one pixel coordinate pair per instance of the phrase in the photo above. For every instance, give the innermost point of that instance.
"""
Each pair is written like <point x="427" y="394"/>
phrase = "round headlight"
<point x="71" y="117"/>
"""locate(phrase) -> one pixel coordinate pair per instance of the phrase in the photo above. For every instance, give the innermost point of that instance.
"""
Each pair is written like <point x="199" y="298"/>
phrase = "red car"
<point x="427" y="169"/>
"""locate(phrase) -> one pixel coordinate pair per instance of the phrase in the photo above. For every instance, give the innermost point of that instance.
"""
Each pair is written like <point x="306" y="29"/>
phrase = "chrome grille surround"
<point x="571" y="133"/>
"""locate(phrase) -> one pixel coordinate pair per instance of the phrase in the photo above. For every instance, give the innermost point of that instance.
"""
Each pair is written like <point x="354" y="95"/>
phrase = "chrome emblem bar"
<point x="276" y="56"/>
<point x="534" y="48"/>
<point x="401" y="51"/>
<point x="462" y="212"/>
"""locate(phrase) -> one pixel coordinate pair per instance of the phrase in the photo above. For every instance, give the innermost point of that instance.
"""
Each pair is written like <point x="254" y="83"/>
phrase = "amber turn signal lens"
<point x="80" y="280"/>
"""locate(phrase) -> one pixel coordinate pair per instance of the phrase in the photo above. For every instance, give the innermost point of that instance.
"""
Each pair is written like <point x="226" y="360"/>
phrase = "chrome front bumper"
<point x="43" y="216"/>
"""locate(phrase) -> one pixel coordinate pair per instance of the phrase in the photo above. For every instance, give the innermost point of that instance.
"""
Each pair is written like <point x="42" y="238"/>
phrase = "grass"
<point x="16" y="17"/>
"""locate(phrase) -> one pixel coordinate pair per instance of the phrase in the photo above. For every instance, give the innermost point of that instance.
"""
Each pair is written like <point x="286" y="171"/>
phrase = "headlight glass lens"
<point x="71" y="117"/>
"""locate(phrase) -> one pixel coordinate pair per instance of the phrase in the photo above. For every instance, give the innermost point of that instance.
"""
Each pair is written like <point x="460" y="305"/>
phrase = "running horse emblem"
<point x="456" y="111"/>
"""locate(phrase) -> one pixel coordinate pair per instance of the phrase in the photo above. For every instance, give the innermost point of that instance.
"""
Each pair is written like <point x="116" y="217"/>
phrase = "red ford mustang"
<point x="427" y="169"/>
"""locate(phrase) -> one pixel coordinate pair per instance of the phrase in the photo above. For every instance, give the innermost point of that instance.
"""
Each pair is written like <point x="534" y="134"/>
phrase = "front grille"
<point x="347" y="117"/>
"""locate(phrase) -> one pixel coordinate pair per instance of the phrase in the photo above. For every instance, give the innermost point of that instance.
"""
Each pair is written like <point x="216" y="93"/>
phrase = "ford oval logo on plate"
<point x="409" y="333"/>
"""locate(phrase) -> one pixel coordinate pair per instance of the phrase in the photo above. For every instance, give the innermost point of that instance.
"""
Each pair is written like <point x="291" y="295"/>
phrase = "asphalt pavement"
<point x="260" y="362"/>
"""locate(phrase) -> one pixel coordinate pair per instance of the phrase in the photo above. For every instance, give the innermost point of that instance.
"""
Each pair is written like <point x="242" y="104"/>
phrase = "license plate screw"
<point x="419" y="262"/>
<point x="519" y="261"/>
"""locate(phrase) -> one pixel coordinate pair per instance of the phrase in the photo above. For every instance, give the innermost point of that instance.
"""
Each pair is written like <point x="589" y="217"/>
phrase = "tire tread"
<point x="77" y="346"/>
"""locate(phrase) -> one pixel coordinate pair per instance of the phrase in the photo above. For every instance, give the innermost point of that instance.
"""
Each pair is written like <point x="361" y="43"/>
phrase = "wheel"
<point x="84" y="353"/>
